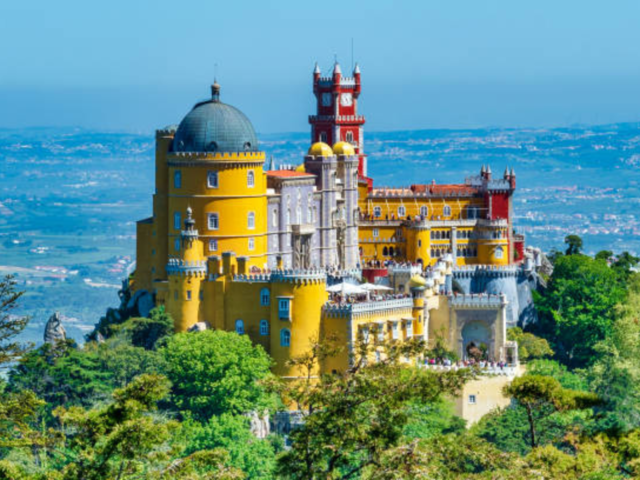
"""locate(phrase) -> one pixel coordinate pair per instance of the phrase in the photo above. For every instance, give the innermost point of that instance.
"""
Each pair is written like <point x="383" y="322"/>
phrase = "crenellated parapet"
<point x="299" y="276"/>
<point x="472" y="300"/>
<point x="181" y="159"/>
<point x="176" y="266"/>
<point x="493" y="271"/>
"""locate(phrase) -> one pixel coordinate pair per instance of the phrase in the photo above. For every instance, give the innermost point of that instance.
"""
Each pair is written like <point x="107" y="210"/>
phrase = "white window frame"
<point x="402" y="211"/>
<point x="349" y="137"/>
<point x="274" y="217"/>
<point x="265" y="297"/>
<point x="252" y="244"/>
<point x="377" y="212"/>
<point x="446" y="211"/>
<point x="251" y="179"/>
<point x="424" y="211"/>
<point x="375" y="233"/>
<point x="251" y="220"/>
<point x="285" y="337"/>
<point x="213" y="174"/>
<point x="499" y="253"/>
<point x="213" y="245"/>
<point x="213" y="221"/>
<point x="409" y="328"/>
<point x="395" y="331"/>
<point x="472" y="399"/>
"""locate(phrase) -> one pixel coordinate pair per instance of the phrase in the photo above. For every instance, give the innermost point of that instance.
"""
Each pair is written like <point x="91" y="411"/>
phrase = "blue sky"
<point x="136" y="65"/>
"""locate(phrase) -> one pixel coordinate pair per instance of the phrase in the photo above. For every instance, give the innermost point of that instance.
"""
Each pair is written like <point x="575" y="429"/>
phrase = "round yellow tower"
<point x="215" y="167"/>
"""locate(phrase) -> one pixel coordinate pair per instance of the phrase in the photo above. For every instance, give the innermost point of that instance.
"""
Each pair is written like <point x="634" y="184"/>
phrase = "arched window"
<point x="288" y="216"/>
<point x="264" y="327"/>
<point x="252" y="244"/>
<point x="499" y="253"/>
<point x="265" y="297"/>
<point x="298" y="214"/>
<point x="446" y="211"/>
<point x="385" y="252"/>
<point x="239" y="327"/>
<point x="402" y="211"/>
<point x="377" y="212"/>
<point x="391" y="251"/>
<point x="212" y="179"/>
<point x="251" y="221"/>
<point x="323" y="137"/>
<point x="285" y="337"/>
<point x="424" y="211"/>
<point x="250" y="179"/>
<point x="349" y="137"/>
<point x="274" y="217"/>
<point x="177" y="179"/>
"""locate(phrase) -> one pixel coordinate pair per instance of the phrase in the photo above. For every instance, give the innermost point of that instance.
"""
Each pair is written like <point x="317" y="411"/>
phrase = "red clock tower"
<point x="337" y="118"/>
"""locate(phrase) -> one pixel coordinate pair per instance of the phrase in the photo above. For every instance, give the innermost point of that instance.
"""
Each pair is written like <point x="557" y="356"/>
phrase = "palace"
<point x="281" y="254"/>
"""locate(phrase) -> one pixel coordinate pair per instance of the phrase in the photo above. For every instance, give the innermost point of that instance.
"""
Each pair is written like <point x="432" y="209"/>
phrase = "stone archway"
<point x="476" y="335"/>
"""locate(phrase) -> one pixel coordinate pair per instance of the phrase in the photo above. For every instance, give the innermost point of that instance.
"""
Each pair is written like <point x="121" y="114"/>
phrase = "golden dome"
<point x="300" y="168"/>
<point x="320" y="149"/>
<point x="343" y="148"/>
<point x="417" y="281"/>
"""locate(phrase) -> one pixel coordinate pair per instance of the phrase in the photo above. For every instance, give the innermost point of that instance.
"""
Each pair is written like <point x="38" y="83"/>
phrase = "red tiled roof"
<point x="287" y="174"/>
<point x="461" y="189"/>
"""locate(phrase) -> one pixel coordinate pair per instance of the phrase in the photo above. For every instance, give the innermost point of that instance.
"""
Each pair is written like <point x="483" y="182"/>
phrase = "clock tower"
<point x="337" y="118"/>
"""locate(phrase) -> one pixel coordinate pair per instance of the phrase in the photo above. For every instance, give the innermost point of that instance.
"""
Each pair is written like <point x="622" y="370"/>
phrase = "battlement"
<point x="394" y="306"/>
<point x="230" y="156"/>
<point x="176" y="266"/>
<point x="496" y="271"/>
<point x="296" y="276"/>
<point x="337" y="119"/>
<point x="472" y="300"/>
<point x="493" y="184"/>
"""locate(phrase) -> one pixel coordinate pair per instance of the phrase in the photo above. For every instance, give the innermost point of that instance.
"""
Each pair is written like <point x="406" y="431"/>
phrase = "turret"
<point x="316" y="74"/>
<point x="512" y="178"/>
<point x="337" y="74"/>
<point x="356" y="76"/>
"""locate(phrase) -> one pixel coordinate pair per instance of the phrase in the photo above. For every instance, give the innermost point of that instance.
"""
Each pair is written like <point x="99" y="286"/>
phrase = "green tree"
<point x="354" y="421"/>
<point x="148" y="332"/>
<point x="10" y="324"/>
<point x="215" y="372"/>
<point x="574" y="244"/>
<point x="605" y="255"/>
<point x="529" y="346"/>
<point x="537" y="394"/>
<point x="577" y="309"/>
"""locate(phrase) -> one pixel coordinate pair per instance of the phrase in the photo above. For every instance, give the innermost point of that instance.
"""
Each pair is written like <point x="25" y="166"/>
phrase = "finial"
<point x="506" y="172"/>
<point x="215" y="91"/>
<point x="189" y="212"/>
<point x="513" y="172"/>
<point x="316" y="70"/>
<point x="189" y="222"/>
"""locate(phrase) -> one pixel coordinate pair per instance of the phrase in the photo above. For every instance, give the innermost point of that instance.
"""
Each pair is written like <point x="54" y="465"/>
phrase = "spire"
<point x="483" y="170"/>
<point x="271" y="167"/>
<point x="513" y="172"/>
<point x="506" y="172"/>
<point x="215" y="91"/>
<point x="336" y="68"/>
<point x="316" y="70"/>
<point x="356" y="69"/>
<point x="488" y="169"/>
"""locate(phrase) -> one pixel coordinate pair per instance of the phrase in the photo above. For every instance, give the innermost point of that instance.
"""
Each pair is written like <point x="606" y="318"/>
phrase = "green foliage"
<point x="232" y="433"/>
<point x="10" y="325"/>
<point x="577" y="310"/>
<point x="147" y="332"/>
<point x="529" y="345"/>
<point x="574" y="244"/>
<point x="551" y="368"/>
<point x="428" y="420"/>
<point x="216" y="372"/>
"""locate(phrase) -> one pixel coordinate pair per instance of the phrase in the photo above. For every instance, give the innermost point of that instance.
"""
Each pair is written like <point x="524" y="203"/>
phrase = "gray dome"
<point x="213" y="126"/>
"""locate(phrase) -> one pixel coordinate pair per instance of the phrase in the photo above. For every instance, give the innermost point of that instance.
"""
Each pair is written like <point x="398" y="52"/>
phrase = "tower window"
<point x="446" y="211"/>
<point x="264" y="327"/>
<point x="177" y="220"/>
<point x="251" y="221"/>
<point x="265" y="297"/>
<point x="176" y="244"/>
<point x="213" y="221"/>
<point x="284" y="309"/>
<point x="285" y="337"/>
<point x="402" y="211"/>
<point x="419" y="243"/>
<point x="250" y="179"/>
<point x="274" y="217"/>
<point x="252" y="244"/>
<point x="323" y="135"/>
<point x="349" y="137"/>
<point x="177" y="179"/>
<point x="499" y="253"/>
<point x="188" y="294"/>
<point x="424" y="211"/>
<point x="239" y="327"/>
<point x="213" y="245"/>
<point x="212" y="179"/>
<point x="377" y="212"/>
<point x="375" y="233"/>
<point x="472" y="399"/>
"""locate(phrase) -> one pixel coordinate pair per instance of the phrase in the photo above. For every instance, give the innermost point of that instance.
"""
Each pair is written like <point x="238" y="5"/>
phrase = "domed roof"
<point x="417" y="281"/>
<point x="343" y="148"/>
<point x="301" y="168"/>
<point x="320" y="149"/>
<point x="213" y="126"/>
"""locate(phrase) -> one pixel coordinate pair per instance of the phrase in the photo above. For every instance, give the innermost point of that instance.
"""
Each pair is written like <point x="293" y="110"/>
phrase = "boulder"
<point x="54" y="332"/>
<point x="197" y="327"/>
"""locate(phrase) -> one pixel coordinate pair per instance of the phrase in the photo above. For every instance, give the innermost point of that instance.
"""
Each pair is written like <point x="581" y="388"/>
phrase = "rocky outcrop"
<point x="260" y="425"/>
<point x="54" y="332"/>
<point x="197" y="327"/>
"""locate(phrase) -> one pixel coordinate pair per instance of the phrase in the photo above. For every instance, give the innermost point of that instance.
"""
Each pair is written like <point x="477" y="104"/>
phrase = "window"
<point x="177" y="220"/>
<point x="349" y="137"/>
<point x="378" y="356"/>
<point x="285" y="337"/>
<point x="472" y="212"/>
<point x="201" y="295"/>
<point x="409" y="328"/>
<point x="395" y="330"/>
<point x="264" y="328"/>
<point x="212" y="179"/>
<point x="213" y="221"/>
<point x="364" y="331"/>
<point x="385" y="252"/>
<point x="177" y="179"/>
<point x="274" y="217"/>
<point x="252" y="244"/>
<point x="446" y="211"/>
<point x="284" y="310"/>
<point x="298" y="214"/>
<point x="375" y="233"/>
<point x="213" y="245"/>
<point x="323" y="135"/>
<point x="250" y="179"/>
<point x="472" y="399"/>
<point x="499" y="253"/>
<point x="402" y="211"/>
<point x="419" y="243"/>
<point x="251" y="221"/>
<point x="288" y="216"/>
<point x="381" y="333"/>
<point x="176" y="244"/>
<point x="265" y="297"/>
<point x="377" y="212"/>
<point x="309" y="214"/>
<point x="188" y="294"/>
<point x="239" y="327"/>
<point x="424" y="211"/>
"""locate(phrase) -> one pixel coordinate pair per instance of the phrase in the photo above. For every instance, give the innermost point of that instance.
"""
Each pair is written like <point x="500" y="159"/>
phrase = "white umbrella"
<point x="372" y="287"/>
<point x="346" y="289"/>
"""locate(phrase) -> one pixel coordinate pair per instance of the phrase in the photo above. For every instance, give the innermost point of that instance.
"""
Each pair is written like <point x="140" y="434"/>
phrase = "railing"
<point x="507" y="370"/>
<point x="477" y="300"/>
<point x="347" y="309"/>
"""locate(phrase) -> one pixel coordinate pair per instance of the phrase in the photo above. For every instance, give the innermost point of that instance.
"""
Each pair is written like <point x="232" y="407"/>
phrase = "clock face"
<point x="326" y="99"/>
<point x="346" y="99"/>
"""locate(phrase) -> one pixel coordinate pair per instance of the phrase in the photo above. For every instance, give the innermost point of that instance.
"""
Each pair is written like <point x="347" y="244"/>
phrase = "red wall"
<point x="499" y="206"/>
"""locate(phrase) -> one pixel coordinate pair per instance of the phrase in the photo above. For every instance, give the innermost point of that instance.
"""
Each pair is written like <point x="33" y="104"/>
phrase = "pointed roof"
<point x="316" y="69"/>
<point x="336" y="68"/>
<point x="356" y="69"/>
